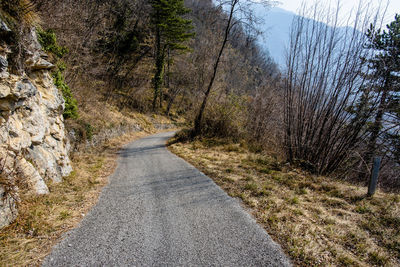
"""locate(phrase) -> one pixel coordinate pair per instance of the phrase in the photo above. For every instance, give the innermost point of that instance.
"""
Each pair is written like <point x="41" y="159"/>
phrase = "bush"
<point x="225" y="119"/>
<point x="183" y="135"/>
<point x="71" y="105"/>
<point x="48" y="40"/>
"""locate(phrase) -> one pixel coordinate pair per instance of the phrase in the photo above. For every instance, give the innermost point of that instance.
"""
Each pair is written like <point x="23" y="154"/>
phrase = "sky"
<point x="347" y="5"/>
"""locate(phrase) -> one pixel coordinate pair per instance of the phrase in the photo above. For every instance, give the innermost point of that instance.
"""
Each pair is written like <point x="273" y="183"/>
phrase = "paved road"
<point x="159" y="210"/>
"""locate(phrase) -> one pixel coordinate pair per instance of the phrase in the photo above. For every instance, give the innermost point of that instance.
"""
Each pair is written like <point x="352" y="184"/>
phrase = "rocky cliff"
<point x="33" y="144"/>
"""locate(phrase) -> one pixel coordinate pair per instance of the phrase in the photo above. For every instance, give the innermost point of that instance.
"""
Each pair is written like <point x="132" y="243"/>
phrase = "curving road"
<point x="159" y="210"/>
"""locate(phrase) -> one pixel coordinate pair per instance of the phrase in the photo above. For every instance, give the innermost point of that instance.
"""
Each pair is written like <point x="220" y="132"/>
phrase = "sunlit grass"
<point x="318" y="221"/>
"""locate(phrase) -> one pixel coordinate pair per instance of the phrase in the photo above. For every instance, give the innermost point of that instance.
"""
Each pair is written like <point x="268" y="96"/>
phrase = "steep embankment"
<point x="33" y="144"/>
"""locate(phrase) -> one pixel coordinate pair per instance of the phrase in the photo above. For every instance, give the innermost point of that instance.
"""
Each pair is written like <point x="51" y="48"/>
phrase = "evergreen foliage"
<point x="167" y="18"/>
<point x="171" y="32"/>
<point x="124" y="43"/>
<point x="71" y="105"/>
<point x="48" y="41"/>
<point x="382" y="92"/>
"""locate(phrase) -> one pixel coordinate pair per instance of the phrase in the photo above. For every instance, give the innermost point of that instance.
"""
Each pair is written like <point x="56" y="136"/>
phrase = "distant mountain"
<point x="276" y="29"/>
<point x="276" y="33"/>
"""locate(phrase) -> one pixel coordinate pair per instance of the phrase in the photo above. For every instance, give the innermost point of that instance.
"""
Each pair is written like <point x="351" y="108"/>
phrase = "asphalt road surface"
<point x="159" y="210"/>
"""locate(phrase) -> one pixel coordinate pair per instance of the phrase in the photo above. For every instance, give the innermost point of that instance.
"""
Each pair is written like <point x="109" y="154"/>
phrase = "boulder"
<point x="31" y="176"/>
<point x="34" y="122"/>
<point x="36" y="62"/>
<point x="24" y="89"/>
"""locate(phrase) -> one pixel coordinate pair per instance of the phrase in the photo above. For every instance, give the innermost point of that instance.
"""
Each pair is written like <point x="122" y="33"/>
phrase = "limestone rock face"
<point x="33" y="143"/>
<point x="9" y="209"/>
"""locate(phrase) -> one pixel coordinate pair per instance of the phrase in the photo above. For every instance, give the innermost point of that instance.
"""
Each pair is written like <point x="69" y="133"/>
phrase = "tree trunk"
<point x="170" y="102"/>
<point x="199" y="117"/>
<point x="375" y="130"/>
<point x="158" y="76"/>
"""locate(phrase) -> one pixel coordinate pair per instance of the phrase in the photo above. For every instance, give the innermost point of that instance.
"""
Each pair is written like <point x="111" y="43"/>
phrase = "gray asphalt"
<point x="159" y="210"/>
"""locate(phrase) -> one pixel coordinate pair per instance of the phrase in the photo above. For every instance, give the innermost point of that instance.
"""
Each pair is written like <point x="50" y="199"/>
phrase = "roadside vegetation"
<point x="295" y="144"/>
<point x="318" y="221"/>
<point x="48" y="41"/>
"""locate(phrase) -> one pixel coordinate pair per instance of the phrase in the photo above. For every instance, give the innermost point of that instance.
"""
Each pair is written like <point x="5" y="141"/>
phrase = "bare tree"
<point x="239" y="13"/>
<point x="323" y="79"/>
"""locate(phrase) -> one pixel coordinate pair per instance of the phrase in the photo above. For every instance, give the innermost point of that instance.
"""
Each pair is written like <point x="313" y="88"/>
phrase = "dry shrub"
<point x="264" y="123"/>
<point x="94" y="74"/>
<point x="226" y="118"/>
<point x="19" y="12"/>
<point x="354" y="169"/>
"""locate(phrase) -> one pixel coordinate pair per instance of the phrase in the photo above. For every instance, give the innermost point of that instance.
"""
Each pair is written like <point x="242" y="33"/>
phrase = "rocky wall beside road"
<point x="33" y="145"/>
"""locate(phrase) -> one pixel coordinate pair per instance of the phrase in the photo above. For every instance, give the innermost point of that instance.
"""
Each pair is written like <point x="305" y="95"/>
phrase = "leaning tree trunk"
<point x="199" y="117"/>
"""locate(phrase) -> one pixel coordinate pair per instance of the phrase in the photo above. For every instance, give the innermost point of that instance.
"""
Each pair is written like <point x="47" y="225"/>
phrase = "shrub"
<point x="71" y="105"/>
<point x="225" y="119"/>
<point x="48" y="40"/>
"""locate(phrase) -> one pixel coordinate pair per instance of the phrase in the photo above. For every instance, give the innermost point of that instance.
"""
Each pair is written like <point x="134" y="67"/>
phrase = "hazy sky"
<point x="347" y="5"/>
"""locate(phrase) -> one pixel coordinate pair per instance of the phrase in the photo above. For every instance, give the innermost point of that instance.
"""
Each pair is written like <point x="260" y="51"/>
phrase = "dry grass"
<point x="20" y="10"/>
<point x="43" y="219"/>
<point x="318" y="221"/>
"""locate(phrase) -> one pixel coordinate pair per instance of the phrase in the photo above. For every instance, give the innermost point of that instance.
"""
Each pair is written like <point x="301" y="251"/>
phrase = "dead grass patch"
<point x="318" y="221"/>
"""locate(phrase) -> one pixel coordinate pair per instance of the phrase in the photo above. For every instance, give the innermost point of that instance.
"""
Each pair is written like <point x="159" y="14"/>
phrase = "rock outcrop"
<point x="33" y="144"/>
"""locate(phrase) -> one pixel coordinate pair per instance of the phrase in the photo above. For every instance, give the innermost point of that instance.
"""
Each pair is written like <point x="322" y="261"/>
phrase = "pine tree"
<point x="124" y="43"/>
<point x="171" y="32"/>
<point x="384" y="78"/>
